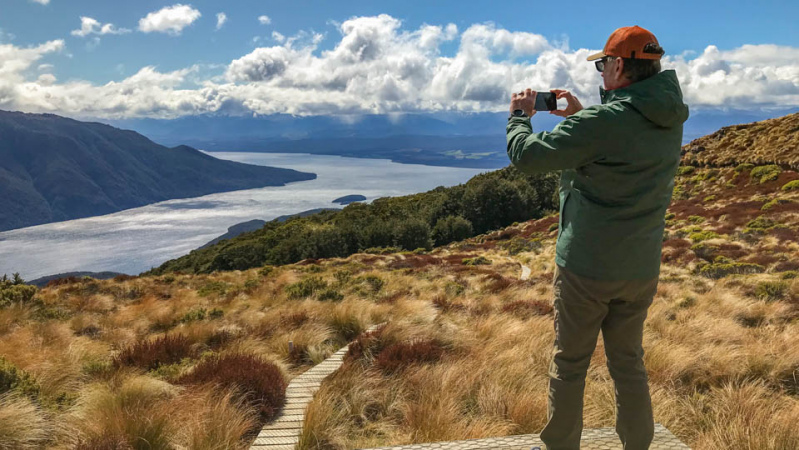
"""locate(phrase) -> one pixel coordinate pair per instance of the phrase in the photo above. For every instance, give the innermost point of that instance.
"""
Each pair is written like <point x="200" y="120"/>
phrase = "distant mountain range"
<point x="441" y="139"/>
<point x="53" y="168"/>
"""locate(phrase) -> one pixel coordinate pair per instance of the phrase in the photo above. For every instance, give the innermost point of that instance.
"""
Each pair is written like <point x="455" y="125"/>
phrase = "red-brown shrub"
<point x="442" y="302"/>
<point x="786" y="266"/>
<point x="497" y="283"/>
<point x="124" y="277"/>
<point x="403" y="354"/>
<point x="149" y="354"/>
<point x="63" y="281"/>
<point x="258" y="382"/>
<point x="527" y="308"/>
<point x="294" y="320"/>
<point x="366" y="345"/>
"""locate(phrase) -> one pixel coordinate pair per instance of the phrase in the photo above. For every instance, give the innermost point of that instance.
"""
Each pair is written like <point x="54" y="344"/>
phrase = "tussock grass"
<point x="465" y="353"/>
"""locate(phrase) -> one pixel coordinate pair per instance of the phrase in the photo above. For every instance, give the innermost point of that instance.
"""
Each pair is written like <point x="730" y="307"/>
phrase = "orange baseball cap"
<point x="628" y="42"/>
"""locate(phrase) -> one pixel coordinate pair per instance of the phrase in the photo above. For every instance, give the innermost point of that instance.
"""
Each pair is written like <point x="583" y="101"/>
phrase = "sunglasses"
<point x="600" y="63"/>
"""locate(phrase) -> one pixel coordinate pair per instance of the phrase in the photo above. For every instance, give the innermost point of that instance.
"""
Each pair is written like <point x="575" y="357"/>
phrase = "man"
<point x="618" y="161"/>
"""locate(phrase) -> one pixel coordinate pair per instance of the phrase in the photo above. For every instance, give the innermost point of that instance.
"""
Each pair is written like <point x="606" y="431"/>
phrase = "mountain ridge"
<point x="54" y="168"/>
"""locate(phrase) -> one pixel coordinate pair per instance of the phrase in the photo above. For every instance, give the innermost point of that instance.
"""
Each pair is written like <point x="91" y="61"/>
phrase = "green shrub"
<point x="703" y="235"/>
<point x="342" y="277"/>
<point x="766" y="173"/>
<point x="476" y="261"/>
<point x="193" y="315"/>
<point x="251" y="285"/>
<point x="373" y="283"/>
<point x="686" y="302"/>
<point x="669" y="216"/>
<point x="454" y="289"/>
<point x="450" y="229"/>
<point x="519" y="244"/>
<point x="696" y="219"/>
<point x="218" y="288"/>
<point x="771" y="290"/>
<point x="17" y="380"/>
<point x="709" y="198"/>
<point x="305" y="287"/>
<point x="382" y="250"/>
<point x="14" y="290"/>
<point x="413" y="233"/>
<point x="331" y="295"/>
<point x="265" y="271"/>
<point x="704" y="250"/>
<point x="789" y="275"/>
<point x="744" y="167"/>
<point x="215" y="313"/>
<point x="685" y="170"/>
<point x="761" y="223"/>
<point x="720" y="270"/>
<point x="791" y="185"/>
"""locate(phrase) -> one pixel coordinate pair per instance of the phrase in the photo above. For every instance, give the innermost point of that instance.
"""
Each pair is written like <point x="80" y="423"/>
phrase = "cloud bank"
<point x="377" y="67"/>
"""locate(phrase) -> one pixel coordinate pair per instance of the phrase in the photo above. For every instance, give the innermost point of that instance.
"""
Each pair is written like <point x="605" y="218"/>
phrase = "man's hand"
<point x="524" y="100"/>
<point x="573" y="104"/>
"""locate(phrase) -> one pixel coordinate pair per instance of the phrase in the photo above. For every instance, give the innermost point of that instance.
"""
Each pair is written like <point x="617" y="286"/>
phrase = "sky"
<point x="164" y="59"/>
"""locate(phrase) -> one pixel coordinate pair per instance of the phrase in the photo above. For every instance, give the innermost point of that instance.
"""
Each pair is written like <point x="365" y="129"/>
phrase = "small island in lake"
<point x="347" y="199"/>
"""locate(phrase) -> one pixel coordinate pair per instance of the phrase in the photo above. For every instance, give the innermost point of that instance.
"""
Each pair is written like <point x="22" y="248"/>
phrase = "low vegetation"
<point x="196" y="353"/>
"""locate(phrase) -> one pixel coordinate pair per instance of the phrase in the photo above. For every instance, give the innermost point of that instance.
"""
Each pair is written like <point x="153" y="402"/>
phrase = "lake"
<point x="135" y="240"/>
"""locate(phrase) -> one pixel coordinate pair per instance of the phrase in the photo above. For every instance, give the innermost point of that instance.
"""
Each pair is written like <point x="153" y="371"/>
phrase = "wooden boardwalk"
<point x="592" y="439"/>
<point x="284" y="432"/>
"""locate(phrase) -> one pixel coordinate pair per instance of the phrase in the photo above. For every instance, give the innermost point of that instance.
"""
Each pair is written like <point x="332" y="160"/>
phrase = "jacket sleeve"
<point x="576" y="141"/>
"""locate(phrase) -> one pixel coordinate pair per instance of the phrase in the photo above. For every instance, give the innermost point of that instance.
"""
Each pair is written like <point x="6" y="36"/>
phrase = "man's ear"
<point x="619" y="67"/>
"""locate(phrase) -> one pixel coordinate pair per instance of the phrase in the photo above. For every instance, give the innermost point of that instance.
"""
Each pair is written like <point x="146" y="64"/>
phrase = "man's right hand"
<point x="573" y="105"/>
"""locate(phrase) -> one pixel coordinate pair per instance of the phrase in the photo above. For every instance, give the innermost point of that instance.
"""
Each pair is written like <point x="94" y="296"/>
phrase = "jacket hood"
<point x="658" y="98"/>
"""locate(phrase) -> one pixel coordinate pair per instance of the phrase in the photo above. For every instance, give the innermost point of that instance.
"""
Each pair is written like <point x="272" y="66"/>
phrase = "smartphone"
<point x="545" y="101"/>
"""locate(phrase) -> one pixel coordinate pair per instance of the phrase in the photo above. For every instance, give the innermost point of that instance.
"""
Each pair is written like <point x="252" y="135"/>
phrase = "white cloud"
<point x="89" y="26"/>
<point x="221" y="18"/>
<point x="377" y="66"/>
<point x="41" y="2"/>
<point x="15" y="60"/>
<point x="171" y="19"/>
<point x="264" y="20"/>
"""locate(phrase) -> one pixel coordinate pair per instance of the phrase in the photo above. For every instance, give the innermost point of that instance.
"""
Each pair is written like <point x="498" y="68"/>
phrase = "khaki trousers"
<point x="584" y="306"/>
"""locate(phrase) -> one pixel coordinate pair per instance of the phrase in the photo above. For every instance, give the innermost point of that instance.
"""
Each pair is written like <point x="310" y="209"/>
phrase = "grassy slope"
<point x="720" y="346"/>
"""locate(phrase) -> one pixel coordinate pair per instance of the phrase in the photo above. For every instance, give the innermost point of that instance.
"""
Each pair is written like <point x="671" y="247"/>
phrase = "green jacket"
<point x="618" y="162"/>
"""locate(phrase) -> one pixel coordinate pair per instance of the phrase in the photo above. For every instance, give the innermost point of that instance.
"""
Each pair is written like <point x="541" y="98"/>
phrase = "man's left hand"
<point x="524" y="100"/>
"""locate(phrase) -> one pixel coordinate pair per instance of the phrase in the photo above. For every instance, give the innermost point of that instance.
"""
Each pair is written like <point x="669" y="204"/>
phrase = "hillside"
<point x="772" y="141"/>
<point x="464" y="355"/>
<point x="53" y="169"/>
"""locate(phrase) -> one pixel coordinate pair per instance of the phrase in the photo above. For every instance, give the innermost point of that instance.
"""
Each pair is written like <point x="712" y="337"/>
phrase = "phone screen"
<point x="545" y="101"/>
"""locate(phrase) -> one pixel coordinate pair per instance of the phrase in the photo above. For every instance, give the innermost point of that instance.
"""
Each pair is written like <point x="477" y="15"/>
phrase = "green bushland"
<point x="14" y="290"/>
<point x="771" y="290"/>
<point x="766" y="173"/>
<point x="476" y="261"/>
<point x="722" y="269"/>
<point x="791" y="185"/>
<point x="13" y="379"/>
<point x="488" y="201"/>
